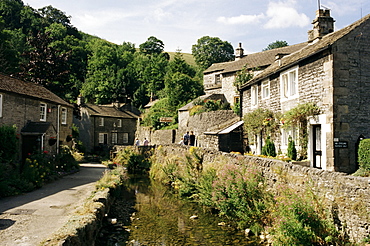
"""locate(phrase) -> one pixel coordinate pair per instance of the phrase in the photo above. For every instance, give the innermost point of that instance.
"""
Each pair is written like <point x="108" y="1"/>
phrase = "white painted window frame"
<point x="1" y="105"/>
<point x="254" y="96"/>
<point x="43" y="111"/>
<point x="265" y="89"/>
<point x="64" y="116"/>
<point x="101" y="121"/>
<point x="289" y="84"/>
<point x="125" y="137"/>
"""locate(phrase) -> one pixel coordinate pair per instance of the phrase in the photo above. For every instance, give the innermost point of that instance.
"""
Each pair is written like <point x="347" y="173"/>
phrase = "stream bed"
<point x="147" y="213"/>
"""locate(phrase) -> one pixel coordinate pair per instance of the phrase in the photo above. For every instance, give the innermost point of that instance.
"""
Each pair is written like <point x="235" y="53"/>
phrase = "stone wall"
<point x="346" y="197"/>
<point x="208" y="122"/>
<point x="156" y="137"/>
<point x="82" y="229"/>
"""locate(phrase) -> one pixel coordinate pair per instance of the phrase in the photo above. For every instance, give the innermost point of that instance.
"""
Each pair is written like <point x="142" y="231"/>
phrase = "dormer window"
<point x="43" y="108"/>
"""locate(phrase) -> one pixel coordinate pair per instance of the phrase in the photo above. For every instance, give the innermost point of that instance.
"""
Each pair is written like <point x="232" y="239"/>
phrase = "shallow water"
<point x="150" y="214"/>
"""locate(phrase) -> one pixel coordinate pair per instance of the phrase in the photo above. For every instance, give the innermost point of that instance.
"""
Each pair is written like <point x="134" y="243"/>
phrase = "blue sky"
<point x="180" y="23"/>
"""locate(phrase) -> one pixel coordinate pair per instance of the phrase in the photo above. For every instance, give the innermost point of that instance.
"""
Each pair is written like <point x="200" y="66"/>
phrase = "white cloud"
<point x="344" y="7"/>
<point x="284" y="15"/>
<point x="241" y="19"/>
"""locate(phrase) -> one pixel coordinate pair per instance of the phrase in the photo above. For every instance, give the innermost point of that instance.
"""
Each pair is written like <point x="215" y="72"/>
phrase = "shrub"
<point x="299" y="219"/>
<point x="8" y="143"/>
<point x="292" y="151"/>
<point x="64" y="161"/>
<point x="364" y="154"/>
<point x="135" y="161"/>
<point x="239" y="192"/>
<point x="269" y="148"/>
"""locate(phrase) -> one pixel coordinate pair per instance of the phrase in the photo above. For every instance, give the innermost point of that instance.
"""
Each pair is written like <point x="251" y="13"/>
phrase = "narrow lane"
<point x="30" y="218"/>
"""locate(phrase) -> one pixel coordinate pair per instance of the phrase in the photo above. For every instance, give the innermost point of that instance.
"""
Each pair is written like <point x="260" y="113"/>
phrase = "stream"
<point x="148" y="213"/>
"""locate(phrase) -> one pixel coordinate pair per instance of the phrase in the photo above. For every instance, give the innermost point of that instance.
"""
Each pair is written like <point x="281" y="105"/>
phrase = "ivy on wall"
<point x="298" y="117"/>
<point x="265" y="122"/>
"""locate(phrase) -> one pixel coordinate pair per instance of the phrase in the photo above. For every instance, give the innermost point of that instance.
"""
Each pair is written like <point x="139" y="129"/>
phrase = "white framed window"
<point x="101" y="121"/>
<point x="289" y="83"/>
<point x="114" y="137"/>
<point x="119" y="123"/>
<point x="1" y="105"/>
<point x="254" y="95"/>
<point x="103" y="138"/>
<point x="64" y="116"/>
<point x="125" y="137"/>
<point x="286" y="133"/>
<point x="265" y="89"/>
<point x="43" y="110"/>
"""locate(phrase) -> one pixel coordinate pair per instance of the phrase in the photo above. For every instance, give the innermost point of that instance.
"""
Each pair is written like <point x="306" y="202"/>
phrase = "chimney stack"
<point x="239" y="52"/>
<point x="323" y="24"/>
<point x="80" y="100"/>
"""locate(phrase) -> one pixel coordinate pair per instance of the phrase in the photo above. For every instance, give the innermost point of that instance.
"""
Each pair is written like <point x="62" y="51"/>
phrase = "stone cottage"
<point x="103" y="126"/>
<point x="220" y="78"/>
<point x="331" y="71"/>
<point x="43" y="120"/>
<point x="224" y="130"/>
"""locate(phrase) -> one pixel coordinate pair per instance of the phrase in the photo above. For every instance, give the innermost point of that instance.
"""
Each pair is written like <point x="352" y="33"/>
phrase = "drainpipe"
<point x="42" y="141"/>
<point x="58" y="126"/>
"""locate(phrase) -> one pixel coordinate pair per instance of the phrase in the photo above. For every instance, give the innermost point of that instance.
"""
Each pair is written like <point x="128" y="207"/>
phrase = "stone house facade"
<point x="102" y="127"/>
<point x="331" y="71"/>
<point x="220" y="78"/>
<point x="43" y="120"/>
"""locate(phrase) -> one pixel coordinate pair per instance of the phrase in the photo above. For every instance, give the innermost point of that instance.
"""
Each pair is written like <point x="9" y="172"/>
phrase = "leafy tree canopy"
<point x="152" y="46"/>
<point x="276" y="44"/>
<point x="209" y="50"/>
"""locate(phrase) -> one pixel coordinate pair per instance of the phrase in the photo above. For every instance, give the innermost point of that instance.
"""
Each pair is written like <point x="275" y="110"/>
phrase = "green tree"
<point x="209" y="50"/>
<point x="152" y="46"/>
<point x="45" y="66"/>
<point x="8" y="55"/>
<point x="276" y="44"/>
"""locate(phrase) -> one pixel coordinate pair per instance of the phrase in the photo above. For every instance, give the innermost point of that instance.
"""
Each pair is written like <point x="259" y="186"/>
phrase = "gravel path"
<point x="30" y="218"/>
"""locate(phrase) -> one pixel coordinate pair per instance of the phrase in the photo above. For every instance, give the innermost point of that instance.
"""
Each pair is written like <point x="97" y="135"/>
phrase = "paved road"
<point x="28" y="219"/>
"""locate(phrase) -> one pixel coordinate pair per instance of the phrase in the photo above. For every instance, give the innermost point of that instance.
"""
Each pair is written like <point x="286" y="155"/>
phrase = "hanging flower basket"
<point x="52" y="141"/>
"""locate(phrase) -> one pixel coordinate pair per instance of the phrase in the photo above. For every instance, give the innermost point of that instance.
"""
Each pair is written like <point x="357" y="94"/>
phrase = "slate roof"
<point x="108" y="111"/>
<point x="260" y="59"/>
<point x="35" y="127"/>
<point x="13" y="85"/>
<point x="321" y="44"/>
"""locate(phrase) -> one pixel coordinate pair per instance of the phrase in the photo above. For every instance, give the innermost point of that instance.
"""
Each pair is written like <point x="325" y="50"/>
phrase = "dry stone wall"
<point x="346" y="197"/>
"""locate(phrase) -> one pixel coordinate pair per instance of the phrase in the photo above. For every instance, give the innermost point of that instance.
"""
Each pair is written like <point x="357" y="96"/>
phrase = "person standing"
<point x="191" y="138"/>
<point x="137" y="142"/>
<point x="186" y="138"/>
<point x="146" y="142"/>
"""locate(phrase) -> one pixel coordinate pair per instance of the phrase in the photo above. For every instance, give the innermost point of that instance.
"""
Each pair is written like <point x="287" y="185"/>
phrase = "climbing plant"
<point x="260" y="121"/>
<point x="243" y="76"/>
<point x="298" y="117"/>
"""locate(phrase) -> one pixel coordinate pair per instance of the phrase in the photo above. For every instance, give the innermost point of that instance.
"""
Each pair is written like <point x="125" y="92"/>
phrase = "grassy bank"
<point x="280" y="216"/>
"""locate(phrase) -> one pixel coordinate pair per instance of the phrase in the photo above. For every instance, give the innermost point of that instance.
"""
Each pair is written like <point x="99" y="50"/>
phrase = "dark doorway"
<point x="317" y="151"/>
